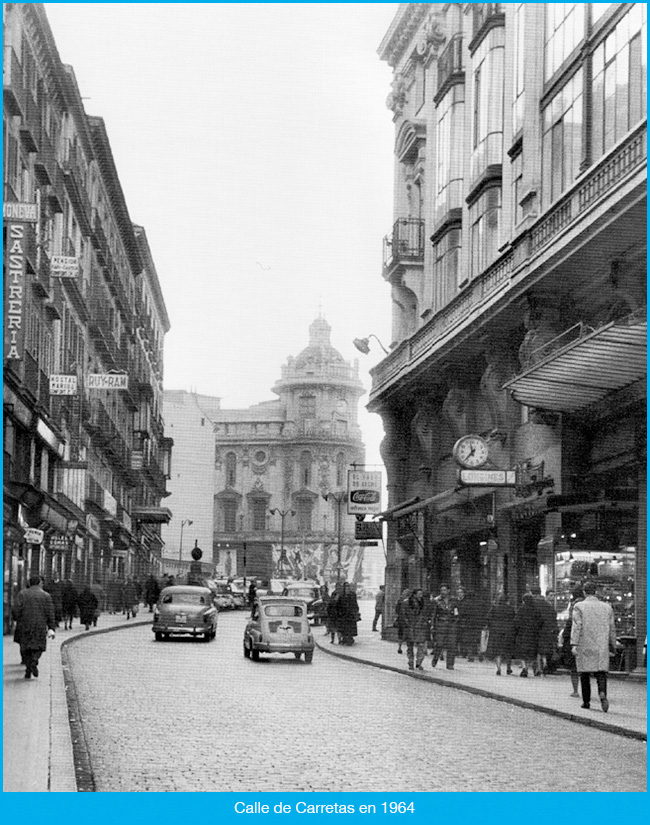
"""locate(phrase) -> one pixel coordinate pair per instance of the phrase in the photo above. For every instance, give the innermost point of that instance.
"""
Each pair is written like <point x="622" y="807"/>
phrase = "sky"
<point x="254" y="145"/>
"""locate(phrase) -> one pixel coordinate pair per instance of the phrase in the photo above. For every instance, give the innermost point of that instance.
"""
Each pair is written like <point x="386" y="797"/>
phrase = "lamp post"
<point x="339" y="498"/>
<point x="180" y="545"/>
<point x="283" y="514"/>
<point x="363" y="344"/>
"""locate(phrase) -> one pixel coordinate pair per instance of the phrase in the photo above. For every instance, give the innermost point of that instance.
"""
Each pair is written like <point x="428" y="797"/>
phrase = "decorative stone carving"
<point x="426" y="426"/>
<point x="456" y="409"/>
<point x="543" y="325"/>
<point x="502" y="365"/>
<point x="324" y="474"/>
<point x="397" y="98"/>
<point x="430" y="40"/>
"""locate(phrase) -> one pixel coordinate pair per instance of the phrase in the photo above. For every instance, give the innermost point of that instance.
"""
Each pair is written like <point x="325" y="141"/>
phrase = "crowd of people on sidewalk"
<point x="448" y="627"/>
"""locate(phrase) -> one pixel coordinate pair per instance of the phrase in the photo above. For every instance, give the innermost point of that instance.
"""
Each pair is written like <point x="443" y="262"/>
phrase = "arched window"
<point x="340" y="470"/>
<point x="231" y="469"/>
<point x="304" y="507"/>
<point x="305" y="468"/>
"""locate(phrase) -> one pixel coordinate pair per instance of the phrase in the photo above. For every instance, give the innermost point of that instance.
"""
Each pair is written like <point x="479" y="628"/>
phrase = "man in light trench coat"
<point x="593" y="633"/>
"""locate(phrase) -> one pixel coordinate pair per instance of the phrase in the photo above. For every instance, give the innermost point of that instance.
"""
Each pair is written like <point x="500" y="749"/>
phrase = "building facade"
<point x="281" y="472"/>
<point x="85" y="455"/>
<point x="189" y="420"/>
<point x="517" y="265"/>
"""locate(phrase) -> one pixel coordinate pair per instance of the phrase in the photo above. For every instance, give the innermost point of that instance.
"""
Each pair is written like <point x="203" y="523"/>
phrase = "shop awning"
<point x="151" y="515"/>
<point x="586" y="370"/>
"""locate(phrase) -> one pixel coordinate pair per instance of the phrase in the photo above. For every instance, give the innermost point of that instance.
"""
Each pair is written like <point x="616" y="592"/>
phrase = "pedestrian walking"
<point x="87" y="602"/>
<point x="568" y="659"/>
<point x="130" y="598"/>
<point x="55" y="588"/>
<point x="399" y="618"/>
<point x="416" y="628"/>
<point x="151" y="592"/>
<point x="593" y="635"/>
<point x="500" y="622"/>
<point x="68" y="603"/>
<point x="379" y="607"/>
<point x="98" y="591"/>
<point x="33" y="611"/>
<point x="332" y="610"/>
<point x="471" y="620"/>
<point x="252" y="592"/>
<point x="547" y="642"/>
<point x="444" y="624"/>
<point x="527" y="624"/>
<point x="347" y="615"/>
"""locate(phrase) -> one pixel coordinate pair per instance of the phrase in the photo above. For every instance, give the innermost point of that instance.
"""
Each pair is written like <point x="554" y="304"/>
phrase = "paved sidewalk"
<point x="37" y="743"/>
<point x="627" y="714"/>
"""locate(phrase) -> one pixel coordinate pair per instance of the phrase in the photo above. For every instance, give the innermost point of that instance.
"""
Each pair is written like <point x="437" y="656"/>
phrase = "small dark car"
<point x="185" y="610"/>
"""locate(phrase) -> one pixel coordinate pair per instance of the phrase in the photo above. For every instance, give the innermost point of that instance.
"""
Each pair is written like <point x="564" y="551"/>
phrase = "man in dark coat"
<point x="548" y="632"/>
<point x="55" y="589"/>
<point x="87" y="602"/>
<point x="527" y="625"/>
<point x="444" y="621"/>
<point x="415" y="612"/>
<point x="151" y="592"/>
<point x="34" y="613"/>
<point x="347" y="615"/>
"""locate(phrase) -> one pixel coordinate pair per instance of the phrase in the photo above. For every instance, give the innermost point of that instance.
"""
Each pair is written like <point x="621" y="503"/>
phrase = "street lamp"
<point x="339" y="498"/>
<point x="363" y="344"/>
<point x="283" y="514"/>
<point x="180" y="546"/>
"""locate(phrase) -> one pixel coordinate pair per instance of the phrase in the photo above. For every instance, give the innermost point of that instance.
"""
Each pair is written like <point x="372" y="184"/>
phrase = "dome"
<point x="320" y="351"/>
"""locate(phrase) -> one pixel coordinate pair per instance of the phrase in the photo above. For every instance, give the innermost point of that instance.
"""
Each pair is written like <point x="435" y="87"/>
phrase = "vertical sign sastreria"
<point x="17" y="216"/>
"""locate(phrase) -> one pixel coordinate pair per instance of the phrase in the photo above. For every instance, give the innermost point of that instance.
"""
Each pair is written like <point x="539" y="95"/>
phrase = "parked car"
<point x="278" y="624"/>
<point x="221" y="594"/>
<point x="185" y="610"/>
<point x="309" y="592"/>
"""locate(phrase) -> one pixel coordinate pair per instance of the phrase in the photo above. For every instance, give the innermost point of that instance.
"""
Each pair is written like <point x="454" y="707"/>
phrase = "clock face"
<point x="471" y="451"/>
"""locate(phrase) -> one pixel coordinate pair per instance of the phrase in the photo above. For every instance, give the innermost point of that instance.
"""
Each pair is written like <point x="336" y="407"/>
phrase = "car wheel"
<point x="309" y="655"/>
<point x="297" y="655"/>
<point x="159" y="636"/>
<point x="247" y="651"/>
<point x="255" y="654"/>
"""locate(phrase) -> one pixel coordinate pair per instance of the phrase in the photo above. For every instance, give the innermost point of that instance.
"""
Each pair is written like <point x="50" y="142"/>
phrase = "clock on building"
<point x="471" y="451"/>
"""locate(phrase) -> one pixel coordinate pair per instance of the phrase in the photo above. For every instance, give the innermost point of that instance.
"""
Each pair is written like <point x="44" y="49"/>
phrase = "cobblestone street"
<point x="191" y="716"/>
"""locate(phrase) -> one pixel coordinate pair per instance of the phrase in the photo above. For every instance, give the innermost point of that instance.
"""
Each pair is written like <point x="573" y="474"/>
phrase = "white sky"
<point x="253" y="143"/>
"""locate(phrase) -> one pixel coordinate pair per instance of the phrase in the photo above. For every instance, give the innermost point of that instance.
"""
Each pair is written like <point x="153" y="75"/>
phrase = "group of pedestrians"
<point x="449" y="627"/>
<point x="342" y="614"/>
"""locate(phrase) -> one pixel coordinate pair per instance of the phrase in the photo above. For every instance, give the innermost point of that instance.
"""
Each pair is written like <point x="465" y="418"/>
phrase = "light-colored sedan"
<point x="278" y="624"/>
<point x="184" y="610"/>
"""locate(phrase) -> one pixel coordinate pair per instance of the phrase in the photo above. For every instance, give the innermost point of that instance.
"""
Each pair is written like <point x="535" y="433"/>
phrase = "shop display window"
<point x="613" y="571"/>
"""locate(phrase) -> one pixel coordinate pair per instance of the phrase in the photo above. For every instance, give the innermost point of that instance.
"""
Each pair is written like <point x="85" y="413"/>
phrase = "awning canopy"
<point x="585" y="371"/>
<point x="151" y="515"/>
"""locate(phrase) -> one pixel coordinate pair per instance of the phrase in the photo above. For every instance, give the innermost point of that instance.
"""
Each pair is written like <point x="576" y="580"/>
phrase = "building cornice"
<point x="408" y="18"/>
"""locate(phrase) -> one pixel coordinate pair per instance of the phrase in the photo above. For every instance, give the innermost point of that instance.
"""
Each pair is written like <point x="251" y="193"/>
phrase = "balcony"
<point x="485" y="16"/>
<point x="13" y="90"/>
<point x="405" y="244"/>
<point x="74" y="180"/>
<point x="451" y="69"/>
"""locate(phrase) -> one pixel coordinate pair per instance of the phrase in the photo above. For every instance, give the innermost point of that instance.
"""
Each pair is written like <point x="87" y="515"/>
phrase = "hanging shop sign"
<point x="34" y="536"/>
<point x="367" y="530"/>
<point x="63" y="384"/>
<point x="23" y="212"/>
<point x="364" y="492"/>
<point x="58" y="543"/>
<point x="92" y="525"/>
<point x="487" y="478"/>
<point x="107" y="381"/>
<point x="14" y="293"/>
<point x="64" y="266"/>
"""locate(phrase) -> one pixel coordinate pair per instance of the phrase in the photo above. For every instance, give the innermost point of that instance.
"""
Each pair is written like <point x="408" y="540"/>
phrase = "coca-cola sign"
<point x="365" y="496"/>
<point x="364" y="492"/>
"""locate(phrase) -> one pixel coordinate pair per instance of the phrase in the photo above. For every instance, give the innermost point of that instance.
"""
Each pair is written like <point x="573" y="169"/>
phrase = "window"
<point x="307" y="406"/>
<point x="517" y="187"/>
<point x="231" y="469"/>
<point x="449" y="155"/>
<point x="484" y="229"/>
<point x="305" y="468"/>
<point x="258" y="509"/>
<point x="619" y="71"/>
<point x="518" y="86"/>
<point x="562" y="139"/>
<point x="487" y="114"/>
<point x="304" y="508"/>
<point x="446" y="268"/>
<point x="564" y="30"/>
<point x="229" y="509"/>
<point x="420" y="85"/>
<point x="340" y="470"/>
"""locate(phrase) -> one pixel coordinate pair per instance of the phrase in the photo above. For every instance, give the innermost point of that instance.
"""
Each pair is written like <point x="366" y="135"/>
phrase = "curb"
<point x="84" y="775"/>
<point x="570" y="717"/>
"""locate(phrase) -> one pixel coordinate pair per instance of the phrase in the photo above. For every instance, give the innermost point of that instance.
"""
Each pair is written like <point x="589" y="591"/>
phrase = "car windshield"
<point x="183" y="598"/>
<point x="283" y="610"/>
<point x="224" y="589"/>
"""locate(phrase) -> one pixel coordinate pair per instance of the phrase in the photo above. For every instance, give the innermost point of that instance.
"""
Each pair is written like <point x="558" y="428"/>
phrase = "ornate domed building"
<point x="276" y="462"/>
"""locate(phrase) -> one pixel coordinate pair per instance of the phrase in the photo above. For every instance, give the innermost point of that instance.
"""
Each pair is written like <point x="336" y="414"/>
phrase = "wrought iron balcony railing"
<point x="404" y="244"/>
